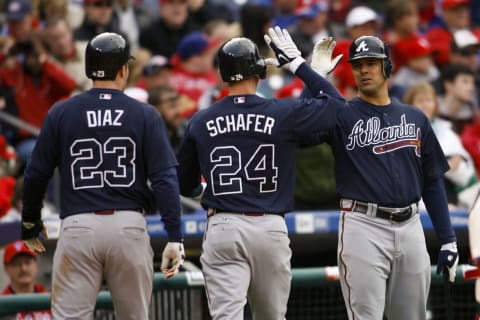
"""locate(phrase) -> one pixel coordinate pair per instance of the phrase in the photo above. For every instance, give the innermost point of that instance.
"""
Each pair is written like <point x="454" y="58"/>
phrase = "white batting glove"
<point x="286" y="51"/>
<point x="173" y="257"/>
<point x="448" y="260"/>
<point x="322" y="61"/>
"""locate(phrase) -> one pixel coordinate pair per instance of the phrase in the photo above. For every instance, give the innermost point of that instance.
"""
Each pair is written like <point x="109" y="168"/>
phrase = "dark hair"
<point x="452" y="71"/>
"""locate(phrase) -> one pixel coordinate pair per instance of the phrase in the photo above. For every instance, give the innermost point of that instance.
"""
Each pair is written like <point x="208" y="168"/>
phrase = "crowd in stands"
<point x="434" y="45"/>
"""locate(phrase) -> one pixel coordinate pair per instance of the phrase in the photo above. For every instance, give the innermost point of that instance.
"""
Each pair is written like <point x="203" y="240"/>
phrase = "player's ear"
<point x="123" y="72"/>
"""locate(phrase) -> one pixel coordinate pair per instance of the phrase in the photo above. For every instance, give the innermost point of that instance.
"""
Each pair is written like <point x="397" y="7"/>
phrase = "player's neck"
<point x="119" y="83"/>
<point x="107" y="85"/>
<point x="248" y="86"/>
<point x="379" y="98"/>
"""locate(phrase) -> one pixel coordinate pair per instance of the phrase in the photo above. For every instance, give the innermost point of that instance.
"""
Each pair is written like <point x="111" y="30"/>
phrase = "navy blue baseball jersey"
<point x="106" y="146"/>
<point x="398" y="139"/>
<point x="244" y="147"/>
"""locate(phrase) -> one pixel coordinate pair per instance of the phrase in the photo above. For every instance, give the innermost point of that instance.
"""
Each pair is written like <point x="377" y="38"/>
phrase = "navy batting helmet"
<point x="239" y="59"/>
<point x="371" y="47"/>
<point x="105" y="54"/>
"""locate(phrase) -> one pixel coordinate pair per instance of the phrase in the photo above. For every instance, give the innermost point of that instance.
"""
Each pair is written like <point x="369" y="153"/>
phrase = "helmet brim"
<point x="369" y="56"/>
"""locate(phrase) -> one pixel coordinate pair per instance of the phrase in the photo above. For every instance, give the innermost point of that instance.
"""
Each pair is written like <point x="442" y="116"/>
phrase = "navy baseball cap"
<point x="18" y="9"/>
<point x="193" y="44"/>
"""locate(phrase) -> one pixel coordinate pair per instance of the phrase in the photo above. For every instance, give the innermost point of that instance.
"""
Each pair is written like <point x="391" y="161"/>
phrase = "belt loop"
<point x="347" y="204"/>
<point x="371" y="209"/>
<point x="414" y="207"/>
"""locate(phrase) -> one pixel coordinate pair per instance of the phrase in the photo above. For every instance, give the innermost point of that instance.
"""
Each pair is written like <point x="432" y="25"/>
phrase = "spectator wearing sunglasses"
<point x="168" y="103"/>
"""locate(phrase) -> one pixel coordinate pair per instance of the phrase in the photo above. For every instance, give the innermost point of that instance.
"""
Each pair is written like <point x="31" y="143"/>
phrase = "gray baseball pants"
<point x="92" y="248"/>
<point x="384" y="267"/>
<point x="244" y="256"/>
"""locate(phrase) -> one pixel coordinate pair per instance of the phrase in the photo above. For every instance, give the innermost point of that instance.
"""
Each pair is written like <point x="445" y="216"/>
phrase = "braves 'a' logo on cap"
<point x="362" y="47"/>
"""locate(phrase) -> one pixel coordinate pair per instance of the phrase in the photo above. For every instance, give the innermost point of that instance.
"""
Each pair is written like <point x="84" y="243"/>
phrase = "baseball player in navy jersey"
<point x="243" y="146"/>
<point x="386" y="159"/>
<point x="106" y="145"/>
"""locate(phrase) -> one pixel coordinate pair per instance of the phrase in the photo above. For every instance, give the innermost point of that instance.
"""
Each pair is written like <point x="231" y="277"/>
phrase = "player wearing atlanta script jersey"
<point x="106" y="145"/>
<point x="243" y="146"/>
<point x="386" y="159"/>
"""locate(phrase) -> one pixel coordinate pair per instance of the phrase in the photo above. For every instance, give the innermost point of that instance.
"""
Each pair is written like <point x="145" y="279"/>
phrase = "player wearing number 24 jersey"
<point x="244" y="147"/>
<point x="106" y="146"/>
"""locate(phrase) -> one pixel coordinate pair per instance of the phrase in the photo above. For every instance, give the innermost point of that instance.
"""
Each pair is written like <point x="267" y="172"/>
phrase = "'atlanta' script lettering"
<point x="372" y="133"/>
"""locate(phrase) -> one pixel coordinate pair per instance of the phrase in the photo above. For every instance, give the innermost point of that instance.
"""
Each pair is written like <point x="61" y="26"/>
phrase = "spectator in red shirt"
<point x="37" y="84"/>
<point x="402" y="22"/>
<point x="193" y="70"/>
<point x="20" y="264"/>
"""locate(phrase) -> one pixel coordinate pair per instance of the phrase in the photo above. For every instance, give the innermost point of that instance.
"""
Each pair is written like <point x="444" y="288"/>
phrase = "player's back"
<point x="246" y="147"/>
<point x="107" y="147"/>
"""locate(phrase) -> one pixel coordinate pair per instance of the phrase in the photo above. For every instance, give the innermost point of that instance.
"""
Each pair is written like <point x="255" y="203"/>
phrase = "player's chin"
<point x="367" y="89"/>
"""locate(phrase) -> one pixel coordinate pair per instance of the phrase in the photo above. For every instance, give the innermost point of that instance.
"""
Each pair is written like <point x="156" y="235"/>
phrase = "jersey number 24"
<point x="227" y="175"/>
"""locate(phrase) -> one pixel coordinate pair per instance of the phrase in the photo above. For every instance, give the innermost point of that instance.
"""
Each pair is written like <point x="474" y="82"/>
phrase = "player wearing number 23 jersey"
<point x="106" y="146"/>
<point x="244" y="147"/>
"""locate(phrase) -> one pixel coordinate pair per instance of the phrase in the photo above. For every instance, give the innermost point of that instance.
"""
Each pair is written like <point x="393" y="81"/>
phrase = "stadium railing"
<point x="315" y="295"/>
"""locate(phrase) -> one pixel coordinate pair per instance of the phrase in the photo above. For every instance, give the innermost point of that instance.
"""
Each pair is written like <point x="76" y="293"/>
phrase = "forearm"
<point x="167" y="197"/>
<point x="435" y="200"/>
<point x="315" y="83"/>
<point x="33" y="194"/>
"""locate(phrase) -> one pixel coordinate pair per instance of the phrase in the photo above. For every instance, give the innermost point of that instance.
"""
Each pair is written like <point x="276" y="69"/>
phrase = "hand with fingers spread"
<point x="30" y="231"/>
<point x="286" y="51"/>
<point x="322" y="56"/>
<point x="172" y="258"/>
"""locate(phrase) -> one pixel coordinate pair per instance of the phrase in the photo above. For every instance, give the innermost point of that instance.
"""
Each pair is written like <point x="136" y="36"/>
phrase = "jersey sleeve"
<point x="316" y="84"/>
<point x="434" y="163"/>
<point x="40" y="168"/>
<point x="315" y="115"/>
<point x="317" y="91"/>
<point x="189" y="169"/>
<point x="161" y="167"/>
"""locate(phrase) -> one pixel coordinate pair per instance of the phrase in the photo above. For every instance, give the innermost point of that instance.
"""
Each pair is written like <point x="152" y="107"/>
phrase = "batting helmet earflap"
<point x="371" y="47"/>
<point x="239" y="59"/>
<point x="105" y="54"/>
